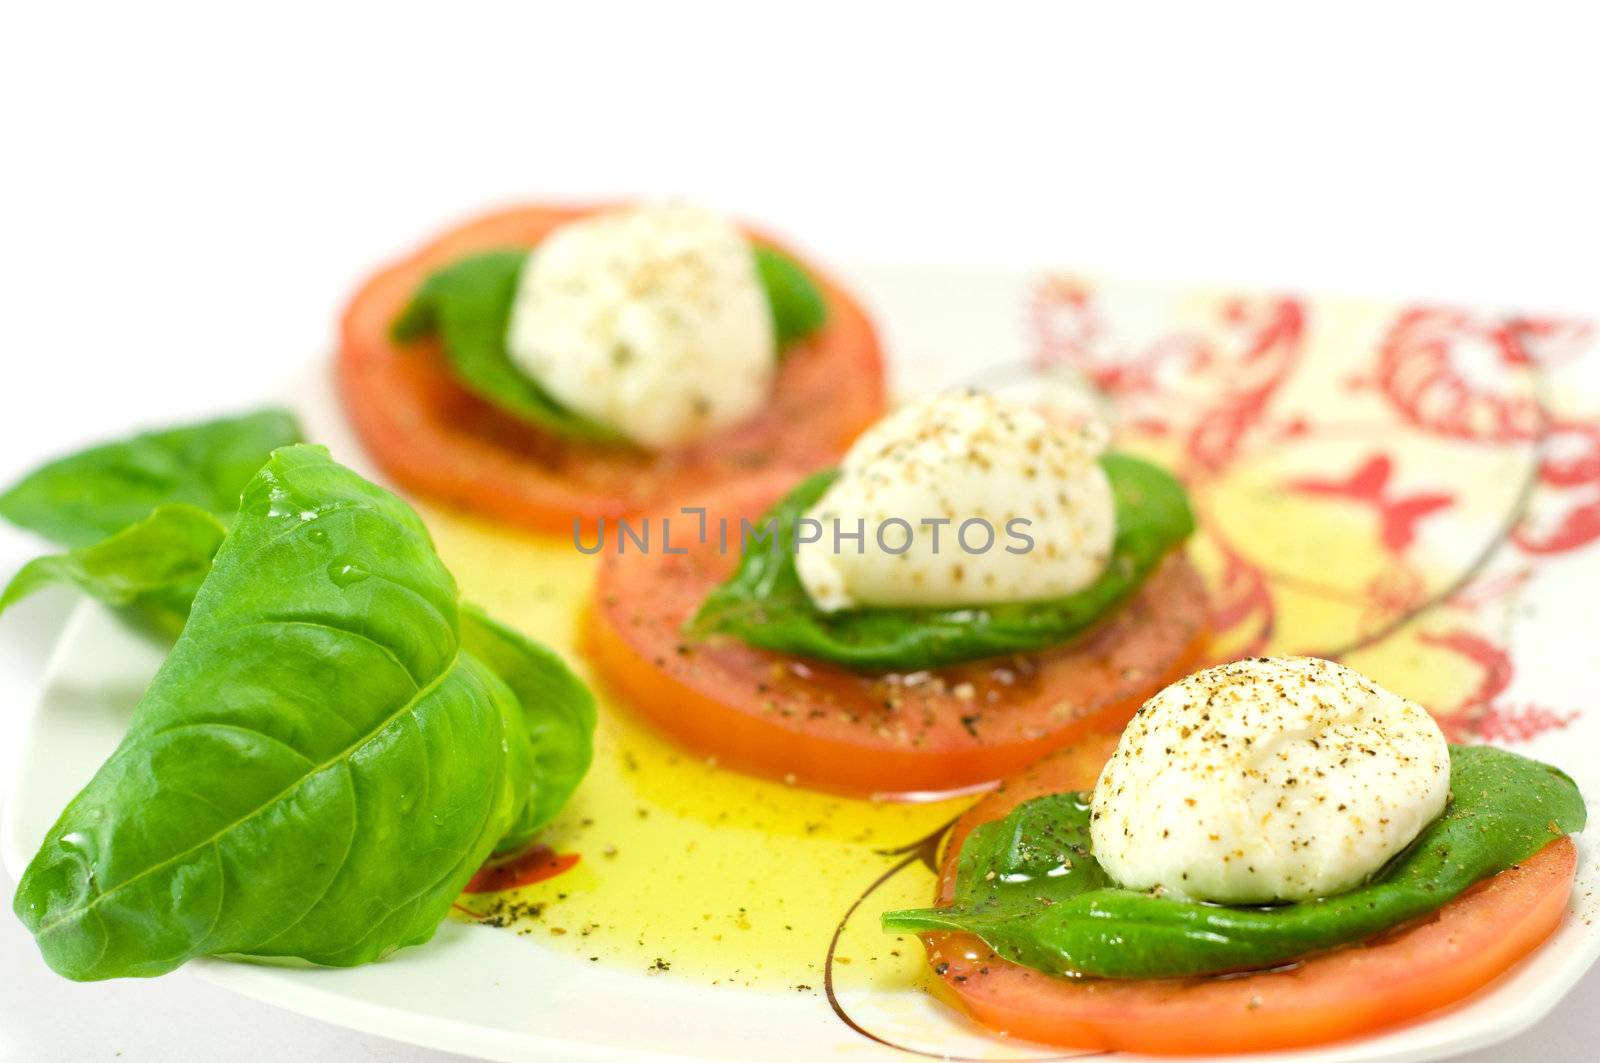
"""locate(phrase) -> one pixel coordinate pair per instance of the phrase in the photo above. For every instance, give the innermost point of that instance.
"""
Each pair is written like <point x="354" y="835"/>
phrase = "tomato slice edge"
<point x="725" y="699"/>
<point x="1404" y="975"/>
<point x="434" y="437"/>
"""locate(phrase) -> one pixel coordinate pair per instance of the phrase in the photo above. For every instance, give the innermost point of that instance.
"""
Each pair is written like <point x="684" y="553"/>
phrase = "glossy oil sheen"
<point x="722" y="877"/>
<point x="734" y="880"/>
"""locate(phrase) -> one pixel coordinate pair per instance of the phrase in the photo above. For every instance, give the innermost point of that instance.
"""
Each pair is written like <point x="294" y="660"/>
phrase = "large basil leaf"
<point x="467" y="304"/>
<point x="315" y="771"/>
<point x="1030" y="887"/>
<point x="763" y="602"/>
<point x="151" y="568"/>
<point x="558" y="716"/>
<point x="81" y="499"/>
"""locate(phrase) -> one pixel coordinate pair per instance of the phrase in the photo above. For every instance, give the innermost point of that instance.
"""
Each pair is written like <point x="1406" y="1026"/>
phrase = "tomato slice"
<point x="1399" y="976"/>
<point x="435" y="437"/>
<point x="885" y="735"/>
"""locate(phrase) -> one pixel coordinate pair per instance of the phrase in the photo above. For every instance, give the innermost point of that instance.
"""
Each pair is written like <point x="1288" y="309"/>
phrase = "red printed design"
<point x="1369" y="484"/>
<point x="1442" y="439"/>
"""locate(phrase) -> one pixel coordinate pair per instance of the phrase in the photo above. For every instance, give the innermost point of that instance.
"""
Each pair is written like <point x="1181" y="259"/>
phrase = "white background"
<point x="190" y="192"/>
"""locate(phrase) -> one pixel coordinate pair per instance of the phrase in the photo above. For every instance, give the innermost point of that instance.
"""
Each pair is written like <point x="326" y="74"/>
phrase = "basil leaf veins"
<point x="321" y="763"/>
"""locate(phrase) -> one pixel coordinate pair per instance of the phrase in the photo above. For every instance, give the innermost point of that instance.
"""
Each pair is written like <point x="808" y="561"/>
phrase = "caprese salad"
<point x="975" y="585"/>
<point x="1277" y="852"/>
<point x="551" y="364"/>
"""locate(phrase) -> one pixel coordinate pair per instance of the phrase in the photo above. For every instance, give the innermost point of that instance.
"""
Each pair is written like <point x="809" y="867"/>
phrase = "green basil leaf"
<point x="1030" y="887"/>
<point x="798" y="308"/>
<point x="468" y="305"/>
<point x="316" y="770"/>
<point x="81" y="499"/>
<point x="151" y="568"/>
<point x="764" y="604"/>
<point x="558" y="716"/>
<point x="150" y="571"/>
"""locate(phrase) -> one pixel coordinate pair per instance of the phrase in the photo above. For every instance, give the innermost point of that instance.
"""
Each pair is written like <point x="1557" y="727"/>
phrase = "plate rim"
<point x="279" y="986"/>
<point x="310" y="393"/>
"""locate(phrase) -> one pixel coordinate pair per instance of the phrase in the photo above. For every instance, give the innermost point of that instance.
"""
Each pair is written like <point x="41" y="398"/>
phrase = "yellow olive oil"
<point x="689" y="870"/>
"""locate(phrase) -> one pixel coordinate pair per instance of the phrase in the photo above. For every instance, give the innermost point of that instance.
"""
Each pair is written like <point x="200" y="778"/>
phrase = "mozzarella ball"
<point x="962" y="499"/>
<point x="1271" y="779"/>
<point x="652" y="321"/>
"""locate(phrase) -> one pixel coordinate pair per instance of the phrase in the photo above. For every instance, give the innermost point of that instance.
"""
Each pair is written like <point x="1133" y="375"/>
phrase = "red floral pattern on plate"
<point x="1432" y="437"/>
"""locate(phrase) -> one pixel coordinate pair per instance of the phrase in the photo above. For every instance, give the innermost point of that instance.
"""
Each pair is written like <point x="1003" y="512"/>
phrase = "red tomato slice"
<point x="435" y="437"/>
<point x="831" y="729"/>
<point x="1399" y="976"/>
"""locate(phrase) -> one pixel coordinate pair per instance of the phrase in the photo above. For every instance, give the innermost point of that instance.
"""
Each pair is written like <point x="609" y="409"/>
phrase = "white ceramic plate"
<point x="1422" y="546"/>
